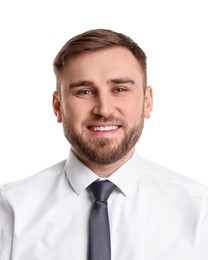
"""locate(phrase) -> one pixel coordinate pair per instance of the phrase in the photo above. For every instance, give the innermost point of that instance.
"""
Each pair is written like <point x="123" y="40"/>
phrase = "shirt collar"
<point x="80" y="176"/>
<point x="124" y="178"/>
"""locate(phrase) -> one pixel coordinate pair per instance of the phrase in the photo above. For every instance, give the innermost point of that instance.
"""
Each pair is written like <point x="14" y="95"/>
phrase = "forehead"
<point x="106" y="63"/>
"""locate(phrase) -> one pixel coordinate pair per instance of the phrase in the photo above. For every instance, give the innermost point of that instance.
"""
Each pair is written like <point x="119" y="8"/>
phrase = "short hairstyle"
<point x="95" y="40"/>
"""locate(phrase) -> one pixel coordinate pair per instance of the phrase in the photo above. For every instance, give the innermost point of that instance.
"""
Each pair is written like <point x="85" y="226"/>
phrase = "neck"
<point x="104" y="171"/>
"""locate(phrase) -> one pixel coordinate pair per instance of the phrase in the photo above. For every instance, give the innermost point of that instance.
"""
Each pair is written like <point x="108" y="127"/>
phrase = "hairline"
<point x="77" y="54"/>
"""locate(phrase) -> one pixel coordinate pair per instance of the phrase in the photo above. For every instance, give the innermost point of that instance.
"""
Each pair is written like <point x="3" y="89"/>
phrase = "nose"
<point x="103" y="106"/>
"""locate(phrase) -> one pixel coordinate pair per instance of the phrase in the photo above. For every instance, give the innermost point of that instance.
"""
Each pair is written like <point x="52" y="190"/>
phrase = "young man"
<point x="102" y="99"/>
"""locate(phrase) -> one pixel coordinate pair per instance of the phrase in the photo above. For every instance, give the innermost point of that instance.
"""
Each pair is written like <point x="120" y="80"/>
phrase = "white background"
<point x="172" y="33"/>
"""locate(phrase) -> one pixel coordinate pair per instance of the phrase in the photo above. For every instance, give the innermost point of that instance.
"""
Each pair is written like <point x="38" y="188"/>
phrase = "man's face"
<point x="102" y="104"/>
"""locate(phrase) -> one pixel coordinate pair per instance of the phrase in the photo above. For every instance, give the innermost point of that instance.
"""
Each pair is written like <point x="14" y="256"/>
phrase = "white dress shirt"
<point x="154" y="214"/>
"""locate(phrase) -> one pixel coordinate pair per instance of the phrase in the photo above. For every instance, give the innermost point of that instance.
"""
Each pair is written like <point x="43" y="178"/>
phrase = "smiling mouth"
<point x="104" y="128"/>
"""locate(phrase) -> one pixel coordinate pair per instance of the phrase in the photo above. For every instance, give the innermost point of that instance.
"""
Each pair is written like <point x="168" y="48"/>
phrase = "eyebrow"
<point x="122" y="81"/>
<point x="87" y="83"/>
<point x="80" y="83"/>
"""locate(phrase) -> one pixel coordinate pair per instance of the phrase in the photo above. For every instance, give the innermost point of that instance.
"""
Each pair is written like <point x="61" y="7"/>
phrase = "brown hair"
<point x="95" y="40"/>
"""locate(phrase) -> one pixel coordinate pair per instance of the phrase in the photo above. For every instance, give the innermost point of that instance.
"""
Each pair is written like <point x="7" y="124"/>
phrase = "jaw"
<point x="103" y="170"/>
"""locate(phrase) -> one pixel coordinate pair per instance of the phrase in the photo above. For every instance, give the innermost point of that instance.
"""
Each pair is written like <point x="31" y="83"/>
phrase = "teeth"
<point x="104" y="128"/>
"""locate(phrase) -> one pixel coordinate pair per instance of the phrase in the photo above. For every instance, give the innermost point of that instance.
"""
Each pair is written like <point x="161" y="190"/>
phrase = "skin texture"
<point x="102" y="105"/>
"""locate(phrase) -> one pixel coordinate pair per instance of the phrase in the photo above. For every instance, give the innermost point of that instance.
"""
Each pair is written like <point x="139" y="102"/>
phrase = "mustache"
<point x="100" y="119"/>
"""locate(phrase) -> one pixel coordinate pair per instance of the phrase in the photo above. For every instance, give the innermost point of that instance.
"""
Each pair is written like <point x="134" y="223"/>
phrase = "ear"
<point x="57" y="106"/>
<point x="148" y="102"/>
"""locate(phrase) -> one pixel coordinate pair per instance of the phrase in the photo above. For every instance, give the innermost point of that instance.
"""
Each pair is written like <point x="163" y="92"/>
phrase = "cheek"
<point x="73" y="114"/>
<point x="134" y="110"/>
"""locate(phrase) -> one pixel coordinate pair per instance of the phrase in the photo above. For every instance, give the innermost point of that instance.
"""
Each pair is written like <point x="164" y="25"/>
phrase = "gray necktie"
<point x="99" y="231"/>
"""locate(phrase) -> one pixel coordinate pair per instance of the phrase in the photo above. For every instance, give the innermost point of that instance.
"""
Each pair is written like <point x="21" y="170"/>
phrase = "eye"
<point x="120" y="89"/>
<point x="84" y="93"/>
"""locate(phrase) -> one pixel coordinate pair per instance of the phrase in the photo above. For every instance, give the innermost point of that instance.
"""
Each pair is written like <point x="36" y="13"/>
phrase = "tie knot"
<point x="102" y="190"/>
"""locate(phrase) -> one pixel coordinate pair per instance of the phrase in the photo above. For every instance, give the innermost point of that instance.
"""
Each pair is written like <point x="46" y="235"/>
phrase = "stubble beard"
<point x="103" y="151"/>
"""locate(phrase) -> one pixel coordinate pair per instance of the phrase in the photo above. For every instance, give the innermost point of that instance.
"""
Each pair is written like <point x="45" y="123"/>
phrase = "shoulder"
<point x="24" y="187"/>
<point x="164" y="176"/>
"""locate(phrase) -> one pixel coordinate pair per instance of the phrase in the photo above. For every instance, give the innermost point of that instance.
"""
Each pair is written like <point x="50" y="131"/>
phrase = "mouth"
<point x="107" y="128"/>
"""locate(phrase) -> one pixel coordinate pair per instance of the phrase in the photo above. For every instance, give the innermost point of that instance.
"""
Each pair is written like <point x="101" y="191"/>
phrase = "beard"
<point x="100" y="150"/>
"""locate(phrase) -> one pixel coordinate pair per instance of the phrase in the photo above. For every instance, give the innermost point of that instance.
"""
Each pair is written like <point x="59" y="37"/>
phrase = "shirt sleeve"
<point x="6" y="229"/>
<point x="202" y="238"/>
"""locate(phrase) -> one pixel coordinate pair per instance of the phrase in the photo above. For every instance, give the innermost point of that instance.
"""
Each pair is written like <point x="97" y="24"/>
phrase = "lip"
<point x="103" y="128"/>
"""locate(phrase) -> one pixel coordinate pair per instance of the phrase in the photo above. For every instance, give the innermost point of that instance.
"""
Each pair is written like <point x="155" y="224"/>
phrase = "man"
<point x="102" y="99"/>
